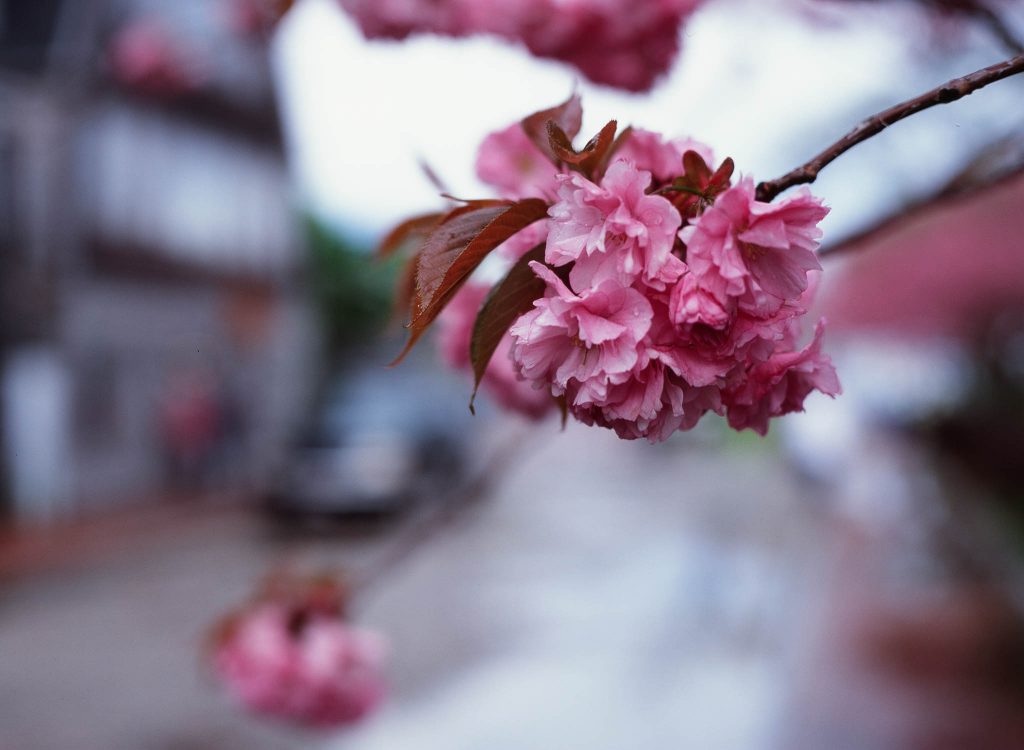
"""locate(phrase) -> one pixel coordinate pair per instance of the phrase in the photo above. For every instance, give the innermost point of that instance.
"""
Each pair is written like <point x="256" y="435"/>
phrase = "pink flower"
<point x="509" y="161"/>
<point x="779" y="385"/>
<point x="643" y="327"/>
<point x="397" y="19"/>
<point x="523" y="241"/>
<point x="614" y="230"/>
<point x="691" y="304"/>
<point x="654" y="402"/>
<point x="501" y="381"/>
<point x="310" y="668"/>
<point x="580" y="342"/>
<point x="662" y="158"/>
<point x="755" y="253"/>
<point x="621" y="43"/>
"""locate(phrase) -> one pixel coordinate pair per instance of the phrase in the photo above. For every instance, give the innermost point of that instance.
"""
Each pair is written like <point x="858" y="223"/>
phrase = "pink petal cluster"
<point x="662" y="158"/>
<point x="614" y="230"/>
<point x="309" y="668"/>
<point x="621" y="43"/>
<point x="640" y="340"/>
<point x="754" y="255"/>
<point x="510" y="162"/>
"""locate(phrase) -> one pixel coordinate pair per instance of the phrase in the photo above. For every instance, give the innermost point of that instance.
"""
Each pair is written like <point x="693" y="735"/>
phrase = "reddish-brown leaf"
<point x="620" y="139"/>
<point x="567" y="116"/>
<point x="510" y="298"/>
<point x="697" y="188"/>
<point x="696" y="172"/>
<point x="472" y="205"/>
<point x="587" y="159"/>
<point x="410" y="229"/>
<point x="405" y="288"/>
<point x="455" y="248"/>
<point x="722" y="178"/>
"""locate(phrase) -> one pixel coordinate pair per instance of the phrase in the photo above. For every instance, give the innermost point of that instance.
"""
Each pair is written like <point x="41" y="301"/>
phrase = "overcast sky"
<point x="763" y="81"/>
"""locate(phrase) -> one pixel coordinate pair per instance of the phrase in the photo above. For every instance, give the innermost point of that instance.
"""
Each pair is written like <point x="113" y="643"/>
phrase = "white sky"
<point x="757" y="80"/>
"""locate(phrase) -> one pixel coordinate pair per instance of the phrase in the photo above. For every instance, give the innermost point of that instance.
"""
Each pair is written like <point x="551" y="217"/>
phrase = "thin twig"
<point x="955" y="192"/>
<point x="944" y="94"/>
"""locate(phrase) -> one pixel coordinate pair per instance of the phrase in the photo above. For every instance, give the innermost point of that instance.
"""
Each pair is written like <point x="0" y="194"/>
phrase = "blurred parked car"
<point x="380" y="440"/>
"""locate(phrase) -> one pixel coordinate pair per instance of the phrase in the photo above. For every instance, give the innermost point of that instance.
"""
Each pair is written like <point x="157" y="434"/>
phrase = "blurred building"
<point x="153" y="334"/>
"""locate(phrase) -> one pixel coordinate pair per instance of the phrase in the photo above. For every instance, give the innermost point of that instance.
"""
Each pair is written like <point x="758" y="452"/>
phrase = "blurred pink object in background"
<point x="292" y="656"/>
<point x="620" y="43"/>
<point x="963" y="259"/>
<point x="144" y="56"/>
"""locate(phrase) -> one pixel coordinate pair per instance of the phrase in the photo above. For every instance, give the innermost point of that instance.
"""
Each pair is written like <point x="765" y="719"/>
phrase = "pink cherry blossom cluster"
<point x="621" y="43"/>
<point x="661" y="303"/>
<point x="301" y="662"/>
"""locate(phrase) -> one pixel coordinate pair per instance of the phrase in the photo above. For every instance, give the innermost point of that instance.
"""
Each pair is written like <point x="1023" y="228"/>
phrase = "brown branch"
<point x="944" y="94"/>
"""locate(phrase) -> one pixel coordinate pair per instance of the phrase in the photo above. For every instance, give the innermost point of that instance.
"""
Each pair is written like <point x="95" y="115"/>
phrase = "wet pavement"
<point x="598" y="595"/>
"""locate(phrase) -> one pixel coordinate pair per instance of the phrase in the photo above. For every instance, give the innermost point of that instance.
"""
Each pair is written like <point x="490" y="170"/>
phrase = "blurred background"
<point x="193" y="337"/>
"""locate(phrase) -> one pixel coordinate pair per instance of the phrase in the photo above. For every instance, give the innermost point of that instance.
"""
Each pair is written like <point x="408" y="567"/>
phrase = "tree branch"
<point x="944" y="94"/>
<point x="996" y="165"/>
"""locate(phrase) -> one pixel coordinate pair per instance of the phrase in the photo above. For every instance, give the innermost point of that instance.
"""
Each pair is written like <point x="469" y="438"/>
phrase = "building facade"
<point x="156" y="339"/>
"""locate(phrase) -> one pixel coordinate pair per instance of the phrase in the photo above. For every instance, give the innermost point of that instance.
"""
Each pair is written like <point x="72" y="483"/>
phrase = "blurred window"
<point x="165" y="186"/>
<point x="26" y="28"/>
<point x="8" y="216"/>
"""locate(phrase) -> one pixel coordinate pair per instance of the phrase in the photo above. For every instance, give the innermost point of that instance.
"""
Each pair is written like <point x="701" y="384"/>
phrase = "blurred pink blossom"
<point x="308" y="667"/>
<point x="143" y="55"/>
<point x="622" y="43"/>
<point x="509" y="161"/>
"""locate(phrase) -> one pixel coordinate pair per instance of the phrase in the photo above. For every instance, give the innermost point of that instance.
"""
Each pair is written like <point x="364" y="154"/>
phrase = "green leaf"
<point x="454" y="249"/>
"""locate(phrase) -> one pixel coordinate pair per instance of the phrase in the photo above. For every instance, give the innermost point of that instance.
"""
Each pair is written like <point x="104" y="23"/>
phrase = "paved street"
<point x="601" y="595"/>
<point x="587" y="559"/>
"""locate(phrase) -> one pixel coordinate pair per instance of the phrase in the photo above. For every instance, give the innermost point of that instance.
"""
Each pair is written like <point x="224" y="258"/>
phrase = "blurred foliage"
<point x="352" y="290"/>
